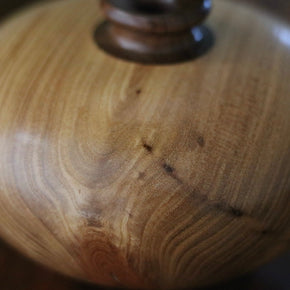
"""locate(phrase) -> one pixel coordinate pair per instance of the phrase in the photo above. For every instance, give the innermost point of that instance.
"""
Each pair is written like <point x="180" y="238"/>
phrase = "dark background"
<point x="282" y="7"/>
<point x="18" y="273"/>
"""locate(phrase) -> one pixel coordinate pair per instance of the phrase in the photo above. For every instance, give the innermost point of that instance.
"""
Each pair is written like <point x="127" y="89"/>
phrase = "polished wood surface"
<point x="126" y="174"/>
<point x="19" y="273"/>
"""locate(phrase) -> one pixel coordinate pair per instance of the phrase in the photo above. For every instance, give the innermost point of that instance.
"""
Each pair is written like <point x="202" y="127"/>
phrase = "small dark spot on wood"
<point x="141" y="175"/>
<point x="130" y="215"/>
<point x="219" y="206"/>
<point x="236" y="212"/>
<point x="131" y="259"/>
<point x="202" y="197"/>
<point x="268" y="232"/>
<point x="139" y="91"/>
<point x="230" y="210"/>
<point x="200" y="141"/>
<point x="168" y="168"/>
<point x="148" y="147"/>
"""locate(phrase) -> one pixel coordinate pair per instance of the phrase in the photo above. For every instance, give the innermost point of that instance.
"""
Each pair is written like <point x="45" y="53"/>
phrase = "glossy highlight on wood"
<point x="144" y="176"/>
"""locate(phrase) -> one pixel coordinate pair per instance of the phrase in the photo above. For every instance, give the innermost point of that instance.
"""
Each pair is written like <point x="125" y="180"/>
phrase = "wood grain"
<point x="19" y="273"/>
<point x="144" y="176"/>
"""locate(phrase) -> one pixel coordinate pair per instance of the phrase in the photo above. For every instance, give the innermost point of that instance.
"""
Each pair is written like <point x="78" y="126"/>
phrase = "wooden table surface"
<point x="18" y="273"/>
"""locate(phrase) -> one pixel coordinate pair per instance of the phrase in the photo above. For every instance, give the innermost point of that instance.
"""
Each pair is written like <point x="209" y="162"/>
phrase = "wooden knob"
<point x="159" y="31"/>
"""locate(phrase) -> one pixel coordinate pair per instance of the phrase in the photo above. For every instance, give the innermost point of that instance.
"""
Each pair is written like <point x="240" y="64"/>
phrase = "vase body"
<point x="142" y="176"/>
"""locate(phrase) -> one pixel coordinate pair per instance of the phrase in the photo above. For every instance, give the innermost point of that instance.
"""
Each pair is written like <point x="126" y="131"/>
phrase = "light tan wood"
<point x="144" y="176"/>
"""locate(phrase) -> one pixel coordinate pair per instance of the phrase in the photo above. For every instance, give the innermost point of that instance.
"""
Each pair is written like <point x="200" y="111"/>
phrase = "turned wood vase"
<point x="150" y="150"/>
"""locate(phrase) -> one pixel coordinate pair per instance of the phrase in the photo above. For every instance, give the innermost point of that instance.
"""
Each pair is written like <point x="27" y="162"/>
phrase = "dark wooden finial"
<point x="160" y="31"/>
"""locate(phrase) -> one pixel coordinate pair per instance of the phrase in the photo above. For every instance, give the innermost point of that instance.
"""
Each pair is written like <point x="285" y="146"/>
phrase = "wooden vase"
<point x="150" y="151"/>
